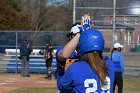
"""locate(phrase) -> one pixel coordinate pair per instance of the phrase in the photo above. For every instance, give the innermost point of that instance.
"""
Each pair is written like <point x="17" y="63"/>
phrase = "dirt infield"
<point x="10" y="82"/>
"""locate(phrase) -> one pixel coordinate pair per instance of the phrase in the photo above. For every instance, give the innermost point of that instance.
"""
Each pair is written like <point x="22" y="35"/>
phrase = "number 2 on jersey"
<point x="94" y="87"/>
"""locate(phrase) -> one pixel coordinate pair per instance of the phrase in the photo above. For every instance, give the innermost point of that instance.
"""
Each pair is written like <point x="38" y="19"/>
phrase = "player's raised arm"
<point x="72" y="44"/>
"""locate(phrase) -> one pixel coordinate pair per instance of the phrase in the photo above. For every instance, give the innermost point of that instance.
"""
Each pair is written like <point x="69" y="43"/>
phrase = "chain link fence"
<point x="38" y="39"/>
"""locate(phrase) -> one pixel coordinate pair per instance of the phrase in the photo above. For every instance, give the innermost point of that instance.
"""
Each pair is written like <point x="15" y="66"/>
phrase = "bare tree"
<point x="35" y="10"/>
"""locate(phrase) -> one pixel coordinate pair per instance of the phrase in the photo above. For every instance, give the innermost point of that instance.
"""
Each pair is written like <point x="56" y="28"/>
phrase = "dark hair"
<point x="118" y="49"/>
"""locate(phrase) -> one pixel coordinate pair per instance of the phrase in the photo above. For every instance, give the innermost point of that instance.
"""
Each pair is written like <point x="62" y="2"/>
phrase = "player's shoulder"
<point x="108" y="61"/>
<point x="117" y="52"/>
<point x="60" y="48"/>
<point x="107" y="58"/>
<point x="78" y="64"/>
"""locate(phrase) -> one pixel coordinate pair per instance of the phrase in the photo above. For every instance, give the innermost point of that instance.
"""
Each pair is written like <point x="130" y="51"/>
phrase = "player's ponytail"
<point x="98" y="64"/>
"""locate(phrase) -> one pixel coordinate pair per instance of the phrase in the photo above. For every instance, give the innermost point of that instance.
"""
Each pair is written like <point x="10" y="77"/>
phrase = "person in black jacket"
<point x="25" y="51"/>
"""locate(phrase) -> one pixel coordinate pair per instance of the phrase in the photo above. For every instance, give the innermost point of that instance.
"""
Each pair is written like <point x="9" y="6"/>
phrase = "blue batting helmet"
<point x="91" y="39"/>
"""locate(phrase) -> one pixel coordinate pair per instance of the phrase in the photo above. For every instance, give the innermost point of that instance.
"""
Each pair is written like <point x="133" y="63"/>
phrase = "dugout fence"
<point x="38" y="39"/>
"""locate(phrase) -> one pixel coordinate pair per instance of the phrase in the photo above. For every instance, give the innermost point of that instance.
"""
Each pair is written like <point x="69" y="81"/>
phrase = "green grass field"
<point x="131" y="85"/>
<point x="35" y="90"/>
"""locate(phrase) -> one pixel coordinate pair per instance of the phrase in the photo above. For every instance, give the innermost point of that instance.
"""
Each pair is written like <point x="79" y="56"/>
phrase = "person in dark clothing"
<point x="48" y="59"/>
<point x="25" y="51"/>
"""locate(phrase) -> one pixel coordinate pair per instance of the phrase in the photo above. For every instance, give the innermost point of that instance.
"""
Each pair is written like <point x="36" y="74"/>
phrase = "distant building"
<point x="127" y="30"/>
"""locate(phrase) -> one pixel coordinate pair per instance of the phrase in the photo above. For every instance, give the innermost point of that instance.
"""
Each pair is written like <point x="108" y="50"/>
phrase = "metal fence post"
<point x="114" y="20"/>
<point x="16" y="52"/>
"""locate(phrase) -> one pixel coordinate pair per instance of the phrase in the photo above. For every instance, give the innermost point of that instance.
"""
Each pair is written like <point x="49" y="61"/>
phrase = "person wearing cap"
<point x="61" y="59"/>
<point x="118" y="60"/>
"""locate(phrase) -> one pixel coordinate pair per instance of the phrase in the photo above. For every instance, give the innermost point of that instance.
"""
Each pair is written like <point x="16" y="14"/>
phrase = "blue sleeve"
<point x="118" y="60"/>
<point x="58" y="50"/>
<point x="60" y="65"/>
<point x="122" y="63"/>
<point x="111" y="73"/>
<point x="65" y="84"/>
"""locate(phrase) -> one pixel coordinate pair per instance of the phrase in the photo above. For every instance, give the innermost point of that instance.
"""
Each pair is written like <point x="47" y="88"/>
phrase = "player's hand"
<point x="85" y="22"/>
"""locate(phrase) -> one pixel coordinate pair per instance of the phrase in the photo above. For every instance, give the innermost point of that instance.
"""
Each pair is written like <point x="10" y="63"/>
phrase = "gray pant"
<point x="25" y="66"/>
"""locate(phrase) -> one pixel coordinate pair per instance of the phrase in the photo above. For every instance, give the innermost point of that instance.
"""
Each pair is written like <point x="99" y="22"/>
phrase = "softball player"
<point x="118" y="60"/>
<point x="61" y="56"/>
<point x="92" y="73"/>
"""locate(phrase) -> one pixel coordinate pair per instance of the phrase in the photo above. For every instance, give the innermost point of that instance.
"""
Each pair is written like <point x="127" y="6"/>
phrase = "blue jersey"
<point x="80" y="78"/>
<point x="118" y="60"/>
<point x="60" y="64"/>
